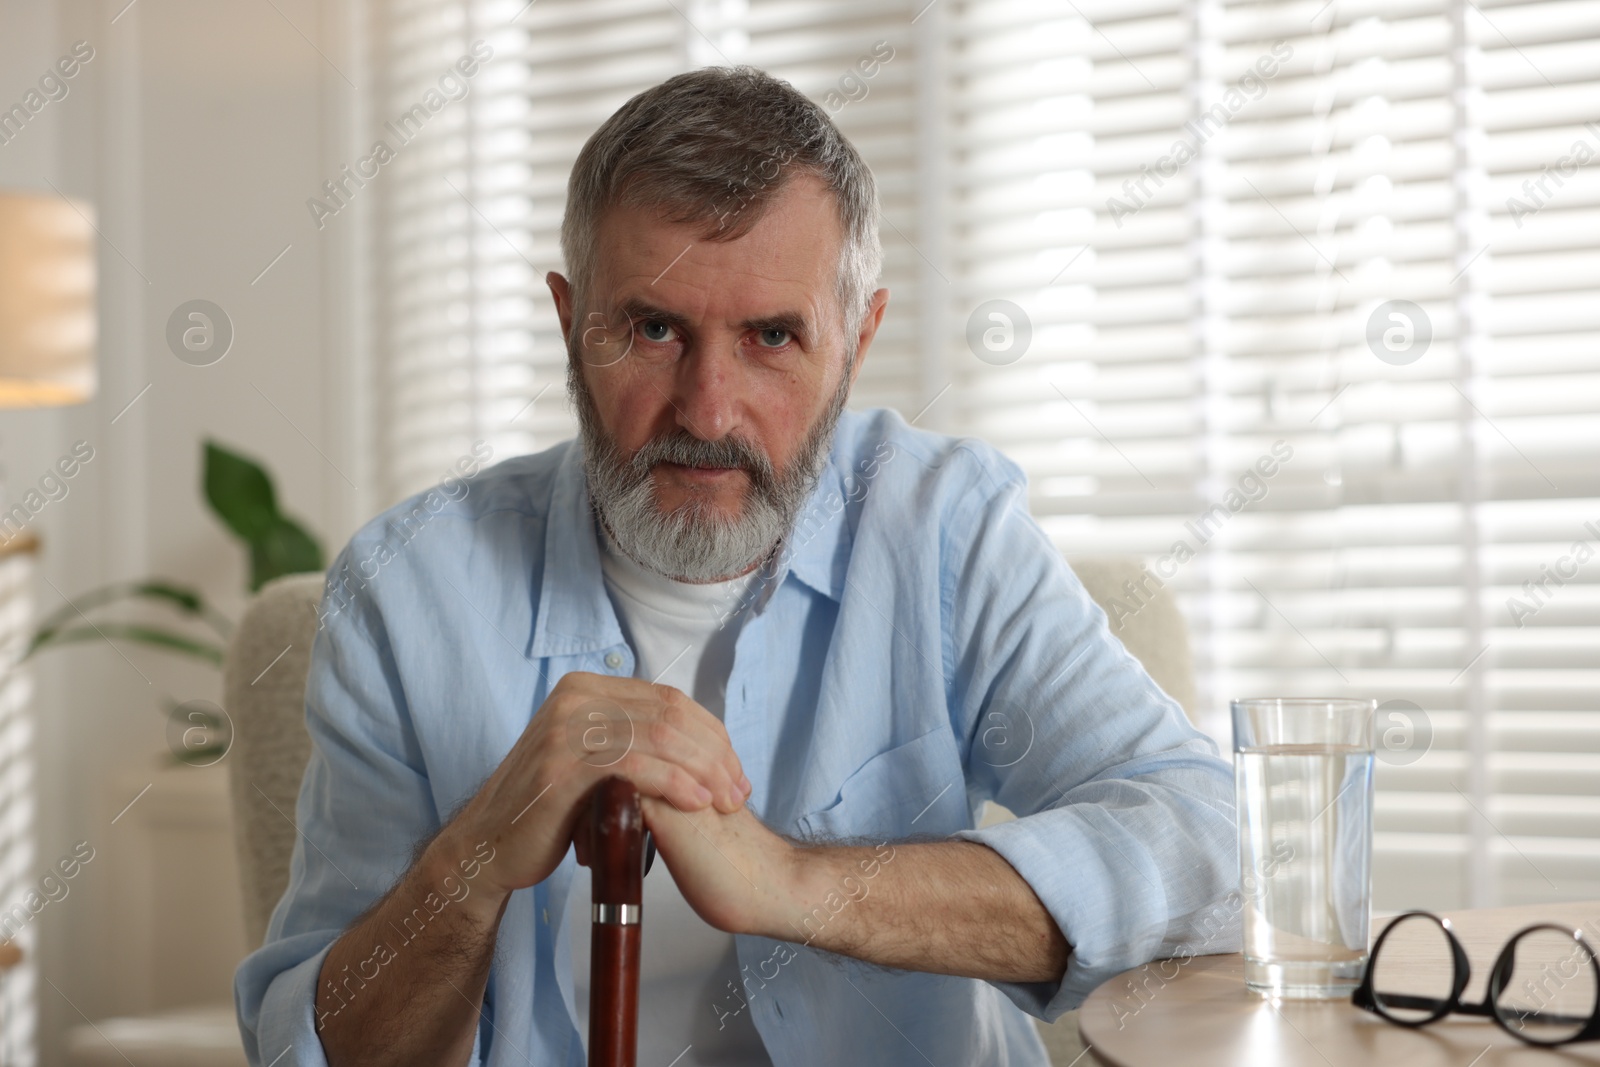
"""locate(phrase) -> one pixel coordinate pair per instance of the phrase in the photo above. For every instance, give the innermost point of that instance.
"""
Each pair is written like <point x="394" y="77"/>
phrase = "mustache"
<point x="687" y="450"/>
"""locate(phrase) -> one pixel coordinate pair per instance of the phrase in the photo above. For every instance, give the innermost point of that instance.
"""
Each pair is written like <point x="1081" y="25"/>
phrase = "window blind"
<point x="469" y="212"/>
<point x="859" y="61"/>
<point x="19" y="874"/>
<point x="1303" y="293"/>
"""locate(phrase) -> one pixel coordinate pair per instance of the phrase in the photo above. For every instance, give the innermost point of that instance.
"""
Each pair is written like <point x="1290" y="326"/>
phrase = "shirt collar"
<point x="574" y="613"/>
<point x="819" y="542"/>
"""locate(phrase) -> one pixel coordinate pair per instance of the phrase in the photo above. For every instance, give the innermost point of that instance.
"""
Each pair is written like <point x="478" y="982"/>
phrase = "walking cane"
<point x="617" y="861"/>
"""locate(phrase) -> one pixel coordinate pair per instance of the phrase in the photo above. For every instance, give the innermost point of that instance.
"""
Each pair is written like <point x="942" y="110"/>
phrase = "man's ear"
<point x="869" y="329"/>
<point x="561" y="289"/>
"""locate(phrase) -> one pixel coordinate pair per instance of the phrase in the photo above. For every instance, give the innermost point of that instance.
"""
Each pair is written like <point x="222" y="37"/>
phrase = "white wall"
<point x="198" y="130"/>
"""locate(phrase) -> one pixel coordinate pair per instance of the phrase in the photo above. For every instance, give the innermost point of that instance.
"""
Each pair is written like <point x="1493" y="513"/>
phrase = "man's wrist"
<point x="456" y="873"/>
<point x="801" y="903"/>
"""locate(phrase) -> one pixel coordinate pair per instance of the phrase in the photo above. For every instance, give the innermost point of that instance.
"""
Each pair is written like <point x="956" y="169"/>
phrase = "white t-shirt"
<point x="678" y="638"/>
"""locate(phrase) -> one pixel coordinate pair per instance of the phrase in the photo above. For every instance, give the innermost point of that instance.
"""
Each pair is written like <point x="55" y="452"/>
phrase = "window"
<point x="19" y="1008"/>
<point x="1298" y="311"/>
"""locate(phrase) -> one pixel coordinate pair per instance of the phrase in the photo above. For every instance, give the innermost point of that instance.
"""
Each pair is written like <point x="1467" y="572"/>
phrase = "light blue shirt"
<point x="919" y="648"/>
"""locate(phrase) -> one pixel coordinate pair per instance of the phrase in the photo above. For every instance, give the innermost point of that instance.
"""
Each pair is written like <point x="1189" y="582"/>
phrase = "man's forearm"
<point x="404" y="984"/>
<point x="950" y="907"/>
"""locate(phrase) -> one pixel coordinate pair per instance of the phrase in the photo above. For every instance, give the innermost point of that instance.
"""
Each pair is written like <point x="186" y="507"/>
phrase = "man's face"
<point x="739" y="345"/>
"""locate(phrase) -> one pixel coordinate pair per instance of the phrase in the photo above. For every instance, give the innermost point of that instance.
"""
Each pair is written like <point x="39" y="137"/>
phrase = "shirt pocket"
<point x="912" y="788"/>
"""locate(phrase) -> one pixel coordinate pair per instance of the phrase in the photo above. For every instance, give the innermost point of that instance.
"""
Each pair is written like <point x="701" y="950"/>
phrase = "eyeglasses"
<point x="1544" y="988"/>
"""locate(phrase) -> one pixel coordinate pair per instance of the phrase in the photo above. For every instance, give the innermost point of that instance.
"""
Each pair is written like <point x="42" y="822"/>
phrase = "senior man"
<point x="816" y="641"/>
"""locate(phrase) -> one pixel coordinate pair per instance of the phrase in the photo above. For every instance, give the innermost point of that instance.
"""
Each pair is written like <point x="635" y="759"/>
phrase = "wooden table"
<point x="1199" y="1013"/>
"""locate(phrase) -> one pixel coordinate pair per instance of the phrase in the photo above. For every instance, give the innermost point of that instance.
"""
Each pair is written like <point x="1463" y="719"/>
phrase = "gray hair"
<point x="714" y="146"/>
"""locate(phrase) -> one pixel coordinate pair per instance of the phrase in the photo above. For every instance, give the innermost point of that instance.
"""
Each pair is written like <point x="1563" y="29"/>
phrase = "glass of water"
<point x="1303" y="774"/>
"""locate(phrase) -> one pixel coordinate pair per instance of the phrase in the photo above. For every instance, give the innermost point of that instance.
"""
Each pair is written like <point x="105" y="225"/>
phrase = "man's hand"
<point x="511" y="835"/>
<point x="949" y="907"/>
<point x="593" y="726"/>
<point x="733" y="871"/>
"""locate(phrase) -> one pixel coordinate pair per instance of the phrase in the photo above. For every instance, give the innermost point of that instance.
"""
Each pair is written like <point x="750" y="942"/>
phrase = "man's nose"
<point x="706" y="388"/>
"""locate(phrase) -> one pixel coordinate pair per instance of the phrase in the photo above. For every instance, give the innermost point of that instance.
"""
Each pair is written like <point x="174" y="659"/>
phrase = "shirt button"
<point x="613" y="660"/>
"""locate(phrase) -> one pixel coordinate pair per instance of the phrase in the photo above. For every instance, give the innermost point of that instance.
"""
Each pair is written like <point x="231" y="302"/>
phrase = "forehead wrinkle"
<point x="799" y="290"/>
<point x="628" y="234"/>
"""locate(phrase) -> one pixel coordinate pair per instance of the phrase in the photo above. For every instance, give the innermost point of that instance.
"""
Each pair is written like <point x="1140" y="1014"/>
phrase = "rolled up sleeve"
<point x="1125" y="827"/>
<point x="363" y="805"/>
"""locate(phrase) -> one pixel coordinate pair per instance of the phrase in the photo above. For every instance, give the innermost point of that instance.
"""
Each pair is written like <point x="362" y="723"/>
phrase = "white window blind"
<point x="1205" y="210"/>
<point x="19" y="874"/>
<point x="469" y="213"/>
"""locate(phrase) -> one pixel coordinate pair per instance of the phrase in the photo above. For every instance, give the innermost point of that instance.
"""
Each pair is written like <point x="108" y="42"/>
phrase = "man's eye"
<point x="656" y="331"/>
<point x="774" y="338"/>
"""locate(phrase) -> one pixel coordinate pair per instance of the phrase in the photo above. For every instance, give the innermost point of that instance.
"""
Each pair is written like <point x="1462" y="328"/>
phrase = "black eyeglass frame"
<point x="1499" y="977"/>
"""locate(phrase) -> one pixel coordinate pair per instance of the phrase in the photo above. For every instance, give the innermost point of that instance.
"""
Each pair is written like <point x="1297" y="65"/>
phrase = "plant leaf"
<point x="200" y="757"/>
<point x="148" y="635"/>
<point x="240" y="491"/>
<point x="182" y="598"/>
<point x="286" y="548"/>
<point x="185" y="600"/>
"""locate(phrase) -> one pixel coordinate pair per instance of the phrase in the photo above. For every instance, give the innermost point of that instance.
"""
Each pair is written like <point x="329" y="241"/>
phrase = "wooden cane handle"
<point x="615" y="828"/>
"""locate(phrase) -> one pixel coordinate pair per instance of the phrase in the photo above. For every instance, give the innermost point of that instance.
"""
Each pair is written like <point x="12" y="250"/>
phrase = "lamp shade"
<point x="47" y="301"/>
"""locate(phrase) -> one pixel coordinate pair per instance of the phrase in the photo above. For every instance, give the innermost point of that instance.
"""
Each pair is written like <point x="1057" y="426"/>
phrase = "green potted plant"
<point x="240" y="493"/>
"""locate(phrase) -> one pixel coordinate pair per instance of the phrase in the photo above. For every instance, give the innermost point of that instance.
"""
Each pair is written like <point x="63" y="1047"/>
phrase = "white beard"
<point x="694" y="542"/>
